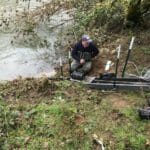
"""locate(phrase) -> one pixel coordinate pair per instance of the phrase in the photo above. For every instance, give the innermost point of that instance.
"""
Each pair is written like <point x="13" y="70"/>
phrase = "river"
<point x="26" y="57"/>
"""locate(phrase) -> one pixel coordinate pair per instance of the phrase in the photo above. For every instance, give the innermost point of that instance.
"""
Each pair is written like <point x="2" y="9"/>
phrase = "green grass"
<point x="68" y="119"/>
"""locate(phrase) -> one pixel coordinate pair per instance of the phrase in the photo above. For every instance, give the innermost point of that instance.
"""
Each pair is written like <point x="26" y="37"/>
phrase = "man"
<point x="82" y="53"/>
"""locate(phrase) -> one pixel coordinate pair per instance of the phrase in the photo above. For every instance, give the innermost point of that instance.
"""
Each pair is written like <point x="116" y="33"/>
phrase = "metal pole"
<point x="29" y="4"/>
<point x="61" y="67"/>
<point x="69" y="56"/>
<point x="117" y="62"/>
<point x="128" y="55"/>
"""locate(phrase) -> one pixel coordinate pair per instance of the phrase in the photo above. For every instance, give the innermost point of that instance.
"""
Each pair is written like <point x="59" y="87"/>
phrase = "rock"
<point x="113" y="52"/>
<point x="105" y="50"/>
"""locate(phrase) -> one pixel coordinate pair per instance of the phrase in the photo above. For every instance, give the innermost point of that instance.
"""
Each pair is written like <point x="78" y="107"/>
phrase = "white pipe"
<point x="101" y="143"/>
<point x="60" y="61"/>
<point x="108" y="65"/>
<point x="69" y="54"/>
<point x="132" y="42"/>
<point x="119" y="50"/>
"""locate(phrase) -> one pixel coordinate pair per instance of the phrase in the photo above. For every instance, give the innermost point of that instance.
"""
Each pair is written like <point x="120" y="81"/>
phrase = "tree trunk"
<point x="145" y="10"/>
<point x="134" y="15"/>
<point x="145" y="6"/>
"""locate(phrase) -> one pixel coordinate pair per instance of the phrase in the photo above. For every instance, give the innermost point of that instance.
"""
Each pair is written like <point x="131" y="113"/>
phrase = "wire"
<point x="136" y="68"/>
<point x="140" y="75"/>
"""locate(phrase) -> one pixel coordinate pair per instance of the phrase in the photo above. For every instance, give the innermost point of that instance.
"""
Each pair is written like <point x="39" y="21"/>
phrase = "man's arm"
<point x="95" y="50"/>
<point x="74" y="53"/>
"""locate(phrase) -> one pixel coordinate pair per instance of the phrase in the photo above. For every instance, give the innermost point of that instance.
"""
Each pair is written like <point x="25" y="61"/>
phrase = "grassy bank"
<point x="38" y="114"/>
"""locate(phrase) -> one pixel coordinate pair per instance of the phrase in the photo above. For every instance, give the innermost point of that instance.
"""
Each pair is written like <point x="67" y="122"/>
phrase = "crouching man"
<point x="82" y="55"/>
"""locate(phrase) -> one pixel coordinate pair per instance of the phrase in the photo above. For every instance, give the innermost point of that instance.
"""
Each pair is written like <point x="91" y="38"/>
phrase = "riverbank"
<point x="41" y="36"/>
<point x="36" y="113"/>
<point x="43" y="114"/>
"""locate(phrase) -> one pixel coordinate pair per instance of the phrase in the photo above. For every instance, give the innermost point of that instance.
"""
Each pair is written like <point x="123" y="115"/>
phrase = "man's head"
<point x="86" y="41"/>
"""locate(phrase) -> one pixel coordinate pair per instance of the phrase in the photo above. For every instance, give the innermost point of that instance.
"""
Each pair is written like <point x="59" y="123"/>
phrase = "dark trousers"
<point x="83" y="68"/>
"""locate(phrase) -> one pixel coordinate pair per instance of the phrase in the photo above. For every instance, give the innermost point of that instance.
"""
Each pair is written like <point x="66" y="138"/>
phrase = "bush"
<point x="107" y="15"/>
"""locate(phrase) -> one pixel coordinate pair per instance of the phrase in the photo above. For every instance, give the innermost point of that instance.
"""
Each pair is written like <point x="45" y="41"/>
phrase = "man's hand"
<point x="82" y="61"/>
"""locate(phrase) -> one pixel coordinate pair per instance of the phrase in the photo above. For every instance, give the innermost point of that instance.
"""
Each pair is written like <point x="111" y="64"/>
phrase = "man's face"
<point x="85" y="44"/>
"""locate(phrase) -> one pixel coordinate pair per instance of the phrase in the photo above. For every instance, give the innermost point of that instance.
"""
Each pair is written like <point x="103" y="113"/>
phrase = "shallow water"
<point x="26" y="60"/>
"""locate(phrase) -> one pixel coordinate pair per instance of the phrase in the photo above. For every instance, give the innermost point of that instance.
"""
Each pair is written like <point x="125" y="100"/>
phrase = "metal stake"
<point x="61" y="67"/>
<point x="117" y="64"/>
<point x="128" y="55"/>
<point x="118" y="59"/>
<point x="29" y="4"/>
<point x="69" y="56"/>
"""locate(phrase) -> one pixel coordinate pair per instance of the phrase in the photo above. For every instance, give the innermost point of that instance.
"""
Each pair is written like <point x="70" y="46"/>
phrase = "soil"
<point x="117" y="101"/>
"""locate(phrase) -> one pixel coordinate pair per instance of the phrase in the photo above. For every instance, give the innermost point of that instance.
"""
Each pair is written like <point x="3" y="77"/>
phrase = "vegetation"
<point x="58" y="119"/>
<point x="135" y="13"/>
<point x="112" y="16"/>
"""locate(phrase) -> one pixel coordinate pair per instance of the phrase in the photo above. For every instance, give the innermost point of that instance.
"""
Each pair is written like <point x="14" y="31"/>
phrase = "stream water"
<point x="27" y="60"/>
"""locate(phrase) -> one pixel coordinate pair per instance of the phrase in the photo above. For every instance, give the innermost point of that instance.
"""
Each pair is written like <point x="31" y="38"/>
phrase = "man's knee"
<point x="87" y="67"/>
<point x="74" y="65"/>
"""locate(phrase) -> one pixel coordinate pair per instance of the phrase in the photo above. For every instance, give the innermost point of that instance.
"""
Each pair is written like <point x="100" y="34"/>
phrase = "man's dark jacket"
<point x="78" y="50"/>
